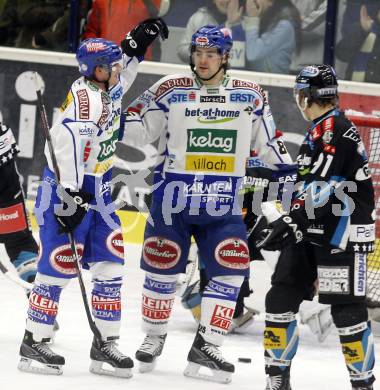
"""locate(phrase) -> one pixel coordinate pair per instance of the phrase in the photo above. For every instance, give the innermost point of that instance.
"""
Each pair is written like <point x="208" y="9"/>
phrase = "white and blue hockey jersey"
<point x="208" y="133"/>
<point x="85" y="133"/>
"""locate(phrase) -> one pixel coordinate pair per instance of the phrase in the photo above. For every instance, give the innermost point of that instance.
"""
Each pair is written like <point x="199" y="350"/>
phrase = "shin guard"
<point x="358" y="350"/>
<point x="280" y="342"/>
<point x="218" y="306"/>
<point x="43" y="306"/>
<point x="157" y="302"/>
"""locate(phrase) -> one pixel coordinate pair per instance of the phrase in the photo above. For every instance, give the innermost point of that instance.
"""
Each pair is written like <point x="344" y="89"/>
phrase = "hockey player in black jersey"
<point x="325" y="238"/>
<point x="15" y="232"/>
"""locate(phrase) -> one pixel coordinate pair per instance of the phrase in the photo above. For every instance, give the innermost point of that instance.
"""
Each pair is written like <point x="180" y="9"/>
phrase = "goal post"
<point x="369" y="129"/>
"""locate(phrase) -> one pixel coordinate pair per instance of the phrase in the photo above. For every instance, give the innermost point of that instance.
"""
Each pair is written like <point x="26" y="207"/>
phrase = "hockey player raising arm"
<point x="83" y="139"/>
<point x="332" y="221"/>
<point x="209" y="122"/>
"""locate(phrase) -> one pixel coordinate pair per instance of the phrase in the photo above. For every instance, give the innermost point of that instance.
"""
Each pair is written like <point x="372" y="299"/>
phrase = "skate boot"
<point x="32" y="352"/>
<point x="106" y="352"/>
<point x="278" y="382"/>
<point x="208" y="355"/>
<point x="368" y="387"/>
<point x="149" y="351"/>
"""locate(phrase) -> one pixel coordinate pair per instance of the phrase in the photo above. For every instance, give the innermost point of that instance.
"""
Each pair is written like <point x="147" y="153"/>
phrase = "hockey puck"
<point x="244" y="360"/>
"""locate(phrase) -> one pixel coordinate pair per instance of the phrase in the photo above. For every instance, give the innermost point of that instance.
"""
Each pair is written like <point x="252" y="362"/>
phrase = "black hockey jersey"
<point x="8" y="145"/>
<point x="334" y="200"/>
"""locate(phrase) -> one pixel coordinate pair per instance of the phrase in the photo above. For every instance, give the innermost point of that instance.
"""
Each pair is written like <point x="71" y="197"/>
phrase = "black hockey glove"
<point x="280" y="233"/>
<point x="137" y="41"/>
<point x="78" y="203"/>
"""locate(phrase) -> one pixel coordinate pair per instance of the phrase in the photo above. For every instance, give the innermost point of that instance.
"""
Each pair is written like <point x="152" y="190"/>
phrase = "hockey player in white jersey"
<point x="209" y="122"/>
<point x="84" y="138"/>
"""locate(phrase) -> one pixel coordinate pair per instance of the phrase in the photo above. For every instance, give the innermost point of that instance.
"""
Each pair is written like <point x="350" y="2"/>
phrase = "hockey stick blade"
<point x="14" y="278"/>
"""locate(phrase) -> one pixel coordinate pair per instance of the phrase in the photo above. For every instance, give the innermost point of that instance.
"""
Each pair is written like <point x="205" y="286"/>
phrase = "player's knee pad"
<point x="157" y="302"/>
<point x="106" y="270"/>
<point x="349" y="314"/>
<point x="43" y="305"/>
<point x="280" y="341"/>
<point x="26" y="265"/>
<point x="282" y="299"/>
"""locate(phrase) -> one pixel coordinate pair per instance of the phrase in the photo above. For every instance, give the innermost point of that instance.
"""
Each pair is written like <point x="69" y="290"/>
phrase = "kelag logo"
<point x="213" y="115"/>
<point x="211" y="140"/>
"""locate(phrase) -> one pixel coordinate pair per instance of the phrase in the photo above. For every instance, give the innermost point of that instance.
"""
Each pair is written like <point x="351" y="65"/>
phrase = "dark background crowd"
<point x="275" y="36"/>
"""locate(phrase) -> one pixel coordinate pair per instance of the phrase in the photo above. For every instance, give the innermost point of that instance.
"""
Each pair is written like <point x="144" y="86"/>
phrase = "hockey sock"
<point x="358" y="350"/>
<point x="218" y="306"/>
<point x="106" y="306"/>
<point x="43" y="306"/>
<point x="106" y="297"/>
<point x="26" y="265"/>
<point x="157" y="302"/>
<point x="280" y="342"/>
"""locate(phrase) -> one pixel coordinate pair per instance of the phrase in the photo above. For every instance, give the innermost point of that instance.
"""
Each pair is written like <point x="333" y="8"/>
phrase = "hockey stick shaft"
<point x="45" y="126"/>
<point x="14" y="278"/>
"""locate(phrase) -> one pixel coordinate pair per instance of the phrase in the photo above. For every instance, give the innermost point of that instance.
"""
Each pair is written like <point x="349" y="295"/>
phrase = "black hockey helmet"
<point x="317" y="82"/>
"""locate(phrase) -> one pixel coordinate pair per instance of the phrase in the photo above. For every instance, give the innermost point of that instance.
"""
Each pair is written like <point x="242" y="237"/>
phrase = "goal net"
<point x="369" y="128"/>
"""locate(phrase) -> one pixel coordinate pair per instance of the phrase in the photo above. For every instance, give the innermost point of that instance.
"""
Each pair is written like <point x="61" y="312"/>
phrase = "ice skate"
<point x="368" y="387"/>
<point x="204" y="354"/>
<point x="106" y="352"/>
<point x="37" y="357"/>
<point x="148" y="352"/>
<point x="278" y="382"/>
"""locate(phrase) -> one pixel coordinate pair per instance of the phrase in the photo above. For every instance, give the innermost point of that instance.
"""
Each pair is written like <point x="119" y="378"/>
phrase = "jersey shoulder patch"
<point x="171" y="82"/>
<point x="88" y="102"/>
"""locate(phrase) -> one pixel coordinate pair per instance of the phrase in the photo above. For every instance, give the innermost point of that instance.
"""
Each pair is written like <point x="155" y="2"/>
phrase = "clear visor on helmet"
<point x="299" y="87"/>
<point x="114" y="66"/>
<point x="208" y="53"/>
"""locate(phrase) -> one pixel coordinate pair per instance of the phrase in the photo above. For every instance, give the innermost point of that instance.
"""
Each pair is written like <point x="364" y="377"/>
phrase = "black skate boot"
<point x="368" y="387"/>
<point x="278" y="382"/>
<point x="32" y="351"/>
<point x="106" y="352"/>
<point x="208" y="355"/>
<point x="149" y="351"/>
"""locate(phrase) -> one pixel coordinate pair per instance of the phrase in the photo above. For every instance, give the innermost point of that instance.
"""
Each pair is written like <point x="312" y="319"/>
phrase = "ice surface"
<point x="316" y="366"/>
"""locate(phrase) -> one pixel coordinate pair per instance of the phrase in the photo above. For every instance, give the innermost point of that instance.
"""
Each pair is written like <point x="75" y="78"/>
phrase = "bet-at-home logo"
<point x="212" y="115"/>
<point x="108" y="147"/>
<point x="211" y="140"/>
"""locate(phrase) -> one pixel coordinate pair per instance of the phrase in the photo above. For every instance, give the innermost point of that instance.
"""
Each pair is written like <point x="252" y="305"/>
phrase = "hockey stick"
<point x="45" y="126"/>
<point x="14" y="278"/>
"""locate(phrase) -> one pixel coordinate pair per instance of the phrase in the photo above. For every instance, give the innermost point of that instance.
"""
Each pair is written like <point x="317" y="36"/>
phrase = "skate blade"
<point x="147" y="367"/>
<point x="96" y="367"/>
<point x="30" y="365"/>
<point x="219" y="376"/>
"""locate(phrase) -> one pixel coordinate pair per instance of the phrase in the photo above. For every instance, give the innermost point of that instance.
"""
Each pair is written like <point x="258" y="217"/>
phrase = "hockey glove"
<point x="137" y="41"/>
<point x="78" y="203"/>
<point x="282" y="231"/>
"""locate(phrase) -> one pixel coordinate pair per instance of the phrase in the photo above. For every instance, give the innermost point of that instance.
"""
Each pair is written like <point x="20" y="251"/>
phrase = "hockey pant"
<point x="105" y="301"/>
<point x="217" y="307"/>
<point x="15" y="232"/>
